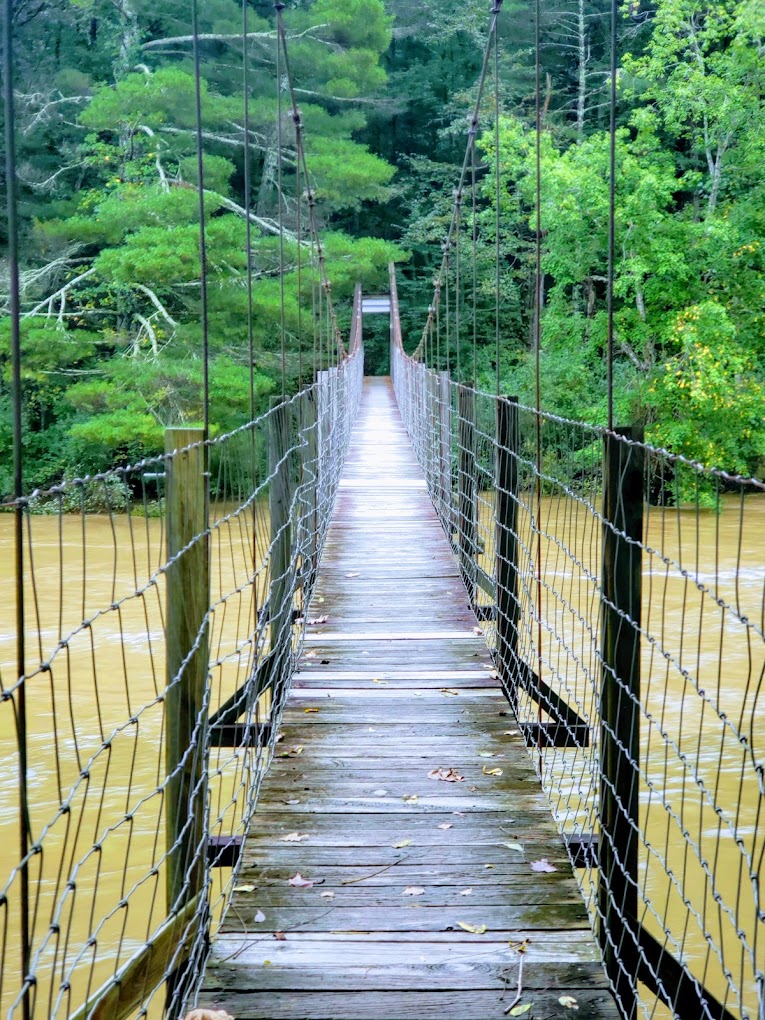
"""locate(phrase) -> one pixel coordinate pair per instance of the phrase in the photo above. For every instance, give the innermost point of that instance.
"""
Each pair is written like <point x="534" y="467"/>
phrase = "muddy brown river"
<point x="96" y="723"/>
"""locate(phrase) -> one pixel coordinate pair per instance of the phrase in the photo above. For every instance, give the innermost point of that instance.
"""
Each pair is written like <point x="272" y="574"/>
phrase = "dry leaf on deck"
<point x="280" y="936"/>
<point x="477" y="630"/>
<point x="466" y="892"/>
<point x="491" y="772"/>
<point x="294" y="837"/>
<point x="514" y="846"/>
<point x="259" y="917"/>
<point x="485" y="754"/>
<point x="568" y="1001"/>
<point x="308" y="710"/>
<point x="380" y="793"/>
<point x="244" y="888"/>
<point x="208" y="1014"/>
<point x="301" y="882"/>
<point x="450" y="690"/>
<point x="520" y="1010"/>
<point x="353" y="573"/>
<point x="401" y="844"/>
<point x="413" y="890"/>
<point x="328" y="895"/>
<point x="474" y="929"/>
<point x="376" y="680"/>
<point x="543" y="865"/>
<point x="444" y="825"/>
<point x="410" y="798"/>
<point x="316" y="620"/>
<point x="446" y="775"/>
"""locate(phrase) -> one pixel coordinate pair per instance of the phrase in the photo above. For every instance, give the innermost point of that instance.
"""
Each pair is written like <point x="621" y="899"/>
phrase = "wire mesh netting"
<point x="122" y="886"/>
<point x="621" y="589"/>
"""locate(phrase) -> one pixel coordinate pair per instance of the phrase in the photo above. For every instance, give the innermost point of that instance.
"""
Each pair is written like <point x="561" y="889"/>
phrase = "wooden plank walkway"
<point x="394" y="686"/>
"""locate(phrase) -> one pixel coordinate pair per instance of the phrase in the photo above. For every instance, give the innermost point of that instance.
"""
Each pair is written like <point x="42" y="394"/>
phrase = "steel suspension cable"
<point x="453" y="225"/>
<point x="18" y="492"/>
<point x="202" y="230"/>
<point x="497" y="195"/>
<point x="474" y="203"/>
<point x="279" y="7"/>
<point x="248" y="203"/>
<point x="538" y="283"/>
<point x="612" y="213"/>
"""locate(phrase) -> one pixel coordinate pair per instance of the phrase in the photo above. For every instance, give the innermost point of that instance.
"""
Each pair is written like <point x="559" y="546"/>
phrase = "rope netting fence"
<point x="621" y="589"/>
<point x="166" y="604"/>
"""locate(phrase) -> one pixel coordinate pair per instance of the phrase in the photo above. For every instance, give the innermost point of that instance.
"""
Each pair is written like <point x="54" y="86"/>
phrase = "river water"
<point x="96" y="724"/>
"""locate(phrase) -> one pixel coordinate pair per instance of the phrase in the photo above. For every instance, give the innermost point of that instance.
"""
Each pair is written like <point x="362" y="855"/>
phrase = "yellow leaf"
<point x="491" y="772"/>
<point x="568" y="1001"/>
<point x="520" y="1010"/>
<point x="474" y="929"/>
<point x="402" y="843"/>
<point x="307" y="710"/>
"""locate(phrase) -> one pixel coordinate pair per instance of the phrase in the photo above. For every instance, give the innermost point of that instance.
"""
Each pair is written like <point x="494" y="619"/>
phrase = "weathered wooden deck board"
<point x="397" y="683"/>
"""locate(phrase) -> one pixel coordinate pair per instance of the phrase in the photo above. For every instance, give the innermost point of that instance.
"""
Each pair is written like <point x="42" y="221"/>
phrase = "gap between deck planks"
<point x="395" y="684"/>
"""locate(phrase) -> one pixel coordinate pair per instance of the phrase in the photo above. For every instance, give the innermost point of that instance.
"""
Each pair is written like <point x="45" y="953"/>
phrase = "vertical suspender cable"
<point x="538" y="327"/>
<point x="18" y="492"/>
<point x="279" y="7"/>
<point x="474" y="129"/>
<point x="247" y="203"/>
<point x="458" y="291"/>
<point x="202" y="236"/>
<point x="612" y="215"/>
<point x="498" y="192"/>
<point x="299" y="231"/>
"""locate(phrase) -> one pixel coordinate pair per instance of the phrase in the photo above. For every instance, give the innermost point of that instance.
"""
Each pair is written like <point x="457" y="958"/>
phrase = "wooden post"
<point x="506" y="544"/>
<point x="445" y="452"/>
<point x="467" y="531"/>
<point x="280" y="557"/>
<point x="310" y="471"/>
<point x="187" y="660"/>
<point x="619" y="806"/>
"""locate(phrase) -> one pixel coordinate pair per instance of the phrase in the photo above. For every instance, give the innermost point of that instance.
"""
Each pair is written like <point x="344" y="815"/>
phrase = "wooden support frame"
<point x="467" y="523"/>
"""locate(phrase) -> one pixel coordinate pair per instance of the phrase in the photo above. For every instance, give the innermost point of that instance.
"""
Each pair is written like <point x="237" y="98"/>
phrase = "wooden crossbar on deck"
<point x="395" y="685"/>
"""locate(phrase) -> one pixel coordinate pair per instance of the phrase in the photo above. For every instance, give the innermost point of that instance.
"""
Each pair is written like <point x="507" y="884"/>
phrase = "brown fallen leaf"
<point x="309" y="710"/>
<point x="477" y="630"/>
<point x="327" y="895"/>
<point x="401" y="844"/>
<point x="413" y="890"/>
<point x="302" y="883"/>
<point x="294" y="837"/>
<point x="450" y="690"/>
<point x="310" y="655"/>
<point x="280" y="936"/>
<point x="519" y="947"/>
<point x="491" y="772"/>
<point x="542" y="865"/>
<point x="446" y="775"/>
<point x="292" y="752"/>
<point x="474" y="929"/>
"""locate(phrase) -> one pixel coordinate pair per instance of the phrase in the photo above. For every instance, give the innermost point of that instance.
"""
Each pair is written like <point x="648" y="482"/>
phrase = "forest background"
<point x="108" y="187"/>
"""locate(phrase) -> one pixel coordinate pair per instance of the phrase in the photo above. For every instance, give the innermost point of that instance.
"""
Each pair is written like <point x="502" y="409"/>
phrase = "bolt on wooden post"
<point x="187" y="658"/>
<point x="619" y="804"/>
<point x="506" y="544"/>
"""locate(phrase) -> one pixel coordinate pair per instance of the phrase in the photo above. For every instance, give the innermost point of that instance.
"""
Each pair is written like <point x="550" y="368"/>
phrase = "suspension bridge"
<point x="403" y="699"/>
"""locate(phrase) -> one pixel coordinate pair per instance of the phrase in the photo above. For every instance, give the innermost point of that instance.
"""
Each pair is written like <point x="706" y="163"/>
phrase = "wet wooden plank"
<point x="395" y="683"/>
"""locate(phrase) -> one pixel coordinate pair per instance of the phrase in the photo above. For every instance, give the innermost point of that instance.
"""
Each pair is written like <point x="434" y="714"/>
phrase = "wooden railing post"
<point x="506" y="544"/>
<point x="310" y="473"/>
<point x="187" y="659"/>
<point x="280" y="557"/>
<point x="445" y="452"/>
<point x="467" y="531"/>
<point x="623" y="488"/>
